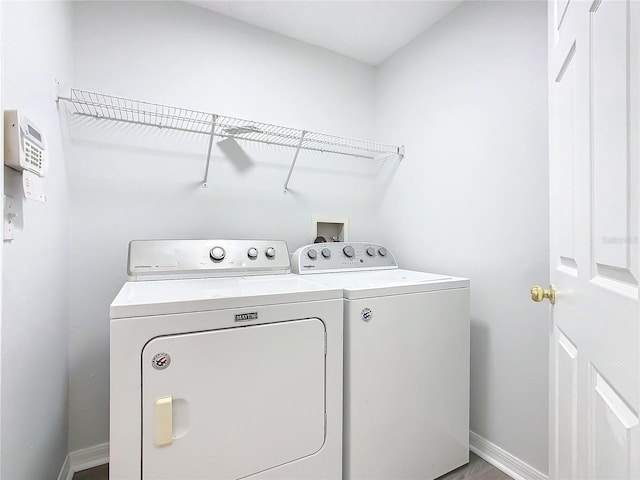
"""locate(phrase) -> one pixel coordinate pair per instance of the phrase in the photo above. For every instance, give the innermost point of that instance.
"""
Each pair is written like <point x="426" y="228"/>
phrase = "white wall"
<point x="35" y="50"/>
<point x="132" y="183"/>
<point x="468" y="97"/>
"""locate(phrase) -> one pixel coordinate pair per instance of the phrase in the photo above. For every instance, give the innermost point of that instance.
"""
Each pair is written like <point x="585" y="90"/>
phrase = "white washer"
<point x="406" y="364"/>
<point x="224" y="365"/>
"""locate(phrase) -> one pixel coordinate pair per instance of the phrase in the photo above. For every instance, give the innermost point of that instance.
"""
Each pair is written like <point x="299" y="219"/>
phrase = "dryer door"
<point x="225" y="404"/>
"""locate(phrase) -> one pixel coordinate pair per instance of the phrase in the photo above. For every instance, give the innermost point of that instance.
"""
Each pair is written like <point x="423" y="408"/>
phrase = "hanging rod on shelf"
<point x="120" y="109"/>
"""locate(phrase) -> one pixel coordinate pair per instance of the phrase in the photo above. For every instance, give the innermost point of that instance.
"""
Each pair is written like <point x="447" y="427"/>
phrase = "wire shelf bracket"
<point x="205" y="183"/>
<point x="120" y="109"/>
<point x="293" y="163"/>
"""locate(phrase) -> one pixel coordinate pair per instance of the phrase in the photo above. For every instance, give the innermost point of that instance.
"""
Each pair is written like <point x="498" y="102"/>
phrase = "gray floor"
<point x="477" y="469"/>
<point x="96" y="473"/>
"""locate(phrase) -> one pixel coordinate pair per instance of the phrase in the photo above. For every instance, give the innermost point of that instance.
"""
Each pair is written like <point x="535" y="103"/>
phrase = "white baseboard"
<point x="503" y="460"/>
<point x="65" y="471"/>
<point x="82" y="459"/>
<point x="496" y="456"/>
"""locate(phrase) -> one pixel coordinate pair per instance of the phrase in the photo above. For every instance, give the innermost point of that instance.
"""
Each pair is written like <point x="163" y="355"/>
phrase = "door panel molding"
<point x="566" y="386"/>
<point x="613" y="435"/>
<point x="612" y="190"/>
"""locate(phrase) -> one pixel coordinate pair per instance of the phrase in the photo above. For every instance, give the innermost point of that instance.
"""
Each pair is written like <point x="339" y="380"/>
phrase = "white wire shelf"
<point x="120" y="109"/>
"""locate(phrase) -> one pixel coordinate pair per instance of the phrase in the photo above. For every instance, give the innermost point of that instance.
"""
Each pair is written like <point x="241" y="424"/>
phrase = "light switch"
<point x="9" y="217"/>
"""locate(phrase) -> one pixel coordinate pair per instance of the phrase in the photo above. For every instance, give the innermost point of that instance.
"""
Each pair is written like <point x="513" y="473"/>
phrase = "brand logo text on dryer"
<point x="243" y="317"/>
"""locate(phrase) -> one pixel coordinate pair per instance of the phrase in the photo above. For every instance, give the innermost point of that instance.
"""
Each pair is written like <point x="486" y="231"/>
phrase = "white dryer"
<point x="406" y="363"/>
<point x="224" y="365"/>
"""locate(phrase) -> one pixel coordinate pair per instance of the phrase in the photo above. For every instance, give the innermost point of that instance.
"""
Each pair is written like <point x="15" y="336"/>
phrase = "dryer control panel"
<point x="164" y="259"/>
<point x="341" y="257"/>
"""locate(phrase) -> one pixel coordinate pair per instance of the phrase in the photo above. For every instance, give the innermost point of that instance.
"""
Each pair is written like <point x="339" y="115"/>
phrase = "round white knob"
<point x="271" y="252"/>
<point x="382" y="251"/>
<point x="371" y="252"/>
<point x="312" y="254"/>
<point x="252" y="253"/>
<point x="348" y="251"/>
<point x="326" y="253"/>
<point x="217" y="253"/>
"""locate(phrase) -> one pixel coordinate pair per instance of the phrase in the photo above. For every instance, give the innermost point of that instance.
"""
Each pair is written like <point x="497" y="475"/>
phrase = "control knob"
<point x="382" y="252"/>
<point x="326" y="253"/>
<point x="217" y="254"/>
<point x="312" y="254"/>
<point x="371" y="252"/>
<point x="252" y="253"/>
<point x="349" y="251"/>
<point x="271" y="252"/>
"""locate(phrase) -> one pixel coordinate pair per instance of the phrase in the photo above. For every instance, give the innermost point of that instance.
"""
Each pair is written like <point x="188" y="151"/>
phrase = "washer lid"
<point x="160" y="297"/>
<point x="380" y="283"/>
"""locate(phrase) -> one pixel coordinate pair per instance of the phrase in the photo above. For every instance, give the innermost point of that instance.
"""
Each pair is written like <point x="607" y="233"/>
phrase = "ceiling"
<point x="368" y="31"/>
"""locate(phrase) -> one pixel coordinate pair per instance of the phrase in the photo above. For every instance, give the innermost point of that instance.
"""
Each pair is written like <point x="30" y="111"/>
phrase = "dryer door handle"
<point x="163" y="418"/>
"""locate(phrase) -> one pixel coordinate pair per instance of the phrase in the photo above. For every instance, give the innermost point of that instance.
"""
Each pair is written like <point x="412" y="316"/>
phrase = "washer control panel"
<point x="162" y="259"/>
<point x="341" y="257"/>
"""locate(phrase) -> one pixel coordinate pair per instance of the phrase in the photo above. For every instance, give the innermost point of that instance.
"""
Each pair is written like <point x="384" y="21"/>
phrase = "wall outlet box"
<point x="332" y="229"/>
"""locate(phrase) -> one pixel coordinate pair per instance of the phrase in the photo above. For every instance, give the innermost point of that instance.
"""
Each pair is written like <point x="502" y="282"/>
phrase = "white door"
<point x="594" y="90"/>
<point x="226" y="404"/>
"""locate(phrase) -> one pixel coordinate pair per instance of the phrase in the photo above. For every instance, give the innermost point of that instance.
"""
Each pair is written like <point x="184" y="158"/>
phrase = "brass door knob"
<point x="538" y="294"/>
